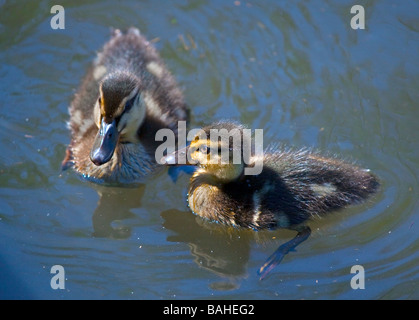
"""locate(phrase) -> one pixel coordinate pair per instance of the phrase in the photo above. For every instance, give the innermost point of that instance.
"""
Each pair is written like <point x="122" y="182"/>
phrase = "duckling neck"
<point x="201" y="177"/>
<point x="215" y="179"/>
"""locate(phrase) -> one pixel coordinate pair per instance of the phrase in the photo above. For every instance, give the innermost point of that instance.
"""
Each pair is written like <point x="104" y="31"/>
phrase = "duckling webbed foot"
<point x="302" y="235"/>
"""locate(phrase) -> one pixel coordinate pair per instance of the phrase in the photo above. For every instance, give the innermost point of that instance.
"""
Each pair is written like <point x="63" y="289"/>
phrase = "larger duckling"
<point x="292" y="186"/>
<point x="126" y="97"/>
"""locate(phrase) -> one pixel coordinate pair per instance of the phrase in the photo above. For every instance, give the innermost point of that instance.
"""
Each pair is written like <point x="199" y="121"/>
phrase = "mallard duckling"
<point x="125" y="98"/>
<point x="292" y="186"/>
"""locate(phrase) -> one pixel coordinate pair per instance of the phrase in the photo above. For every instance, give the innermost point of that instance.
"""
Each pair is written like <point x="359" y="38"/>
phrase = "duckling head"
<point x="118" y="113"/>
<point x="216" y="150"/>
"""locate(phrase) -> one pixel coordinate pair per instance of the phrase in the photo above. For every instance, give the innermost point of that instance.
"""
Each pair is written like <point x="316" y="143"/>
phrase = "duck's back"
<point x="306" y="184"/>
<point x="292" y="187"/>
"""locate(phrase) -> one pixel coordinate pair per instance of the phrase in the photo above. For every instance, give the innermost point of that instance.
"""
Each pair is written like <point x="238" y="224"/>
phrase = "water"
<point x="295" y="69"/>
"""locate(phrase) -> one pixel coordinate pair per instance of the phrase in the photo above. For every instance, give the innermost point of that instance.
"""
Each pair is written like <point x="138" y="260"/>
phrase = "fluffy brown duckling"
<point x="126" y="97"/>
<point x="292" y="186"/>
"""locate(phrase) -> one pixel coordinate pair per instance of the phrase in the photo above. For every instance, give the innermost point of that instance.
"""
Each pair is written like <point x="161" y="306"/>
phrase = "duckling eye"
<point x="204" y="149"/>
<point x="130" y="103"/>
<point x="100" y="101"/>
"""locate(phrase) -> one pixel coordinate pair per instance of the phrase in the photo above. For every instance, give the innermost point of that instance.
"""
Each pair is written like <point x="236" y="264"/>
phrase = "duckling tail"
<point x="359" y="186"/>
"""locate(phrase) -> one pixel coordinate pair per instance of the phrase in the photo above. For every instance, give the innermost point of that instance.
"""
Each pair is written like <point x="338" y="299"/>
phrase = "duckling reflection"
<point x="115" y="204"/>
<point x="211" y="245"/>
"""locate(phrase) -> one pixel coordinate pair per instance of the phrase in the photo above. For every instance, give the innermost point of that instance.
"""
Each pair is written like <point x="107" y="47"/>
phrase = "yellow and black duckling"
<point x="292" y="187"/>
<point x="125" y="98"/>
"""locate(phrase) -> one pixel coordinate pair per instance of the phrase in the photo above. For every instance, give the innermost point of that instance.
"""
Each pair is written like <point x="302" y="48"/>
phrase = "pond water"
<point x="295" y="69"/>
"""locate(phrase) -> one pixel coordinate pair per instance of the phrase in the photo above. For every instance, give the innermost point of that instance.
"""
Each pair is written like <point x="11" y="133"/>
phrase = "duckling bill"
<point x="126" y="97"/>
<point x="292" y="187"/>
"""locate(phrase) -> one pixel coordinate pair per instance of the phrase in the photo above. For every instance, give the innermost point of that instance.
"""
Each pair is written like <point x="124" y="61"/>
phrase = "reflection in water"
<point x="217" y="248"/>
<point x="115" y="204"/>
<point x="220" y="249"/>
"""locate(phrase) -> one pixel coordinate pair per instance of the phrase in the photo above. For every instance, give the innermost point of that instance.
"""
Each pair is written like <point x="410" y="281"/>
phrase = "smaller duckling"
<point x="292" y="187"/>
<point x="126" y="97"/>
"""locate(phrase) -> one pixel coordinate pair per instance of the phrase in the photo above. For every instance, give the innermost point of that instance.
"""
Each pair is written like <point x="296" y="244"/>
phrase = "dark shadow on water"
<point x="115" y="204"/>
<point x="221" y="250"/>
<point x="225" y="251"/>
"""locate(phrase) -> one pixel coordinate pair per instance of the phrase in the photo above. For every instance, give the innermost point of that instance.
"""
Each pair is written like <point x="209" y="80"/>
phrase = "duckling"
<point x="126" y="97"/>
<point x="292" y="186"/>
